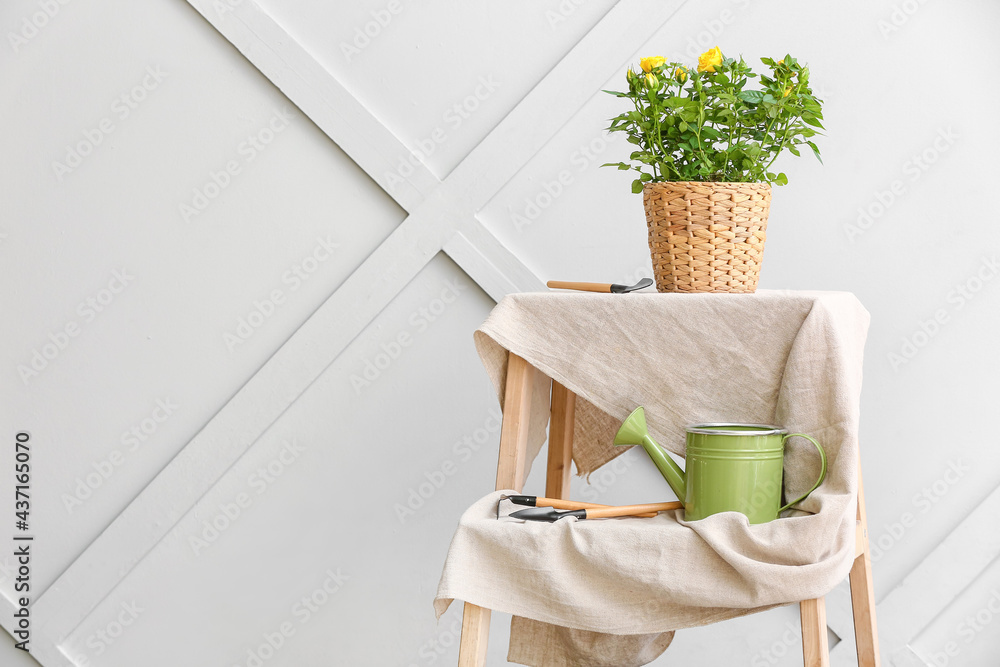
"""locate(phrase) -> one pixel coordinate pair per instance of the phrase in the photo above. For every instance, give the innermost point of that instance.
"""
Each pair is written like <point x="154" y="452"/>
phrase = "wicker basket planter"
<point x="706" y="237"/>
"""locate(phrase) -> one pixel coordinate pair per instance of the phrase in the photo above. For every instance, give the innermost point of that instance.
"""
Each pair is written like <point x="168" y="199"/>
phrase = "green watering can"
<point x="730" y="467"/>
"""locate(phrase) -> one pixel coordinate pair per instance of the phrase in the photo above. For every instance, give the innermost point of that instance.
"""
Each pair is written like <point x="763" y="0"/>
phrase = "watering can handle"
<point x="822" y="472"/>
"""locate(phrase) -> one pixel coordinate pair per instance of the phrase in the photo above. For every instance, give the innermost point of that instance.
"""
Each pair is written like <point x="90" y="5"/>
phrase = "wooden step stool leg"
<point x="561" y="423"/>
<point x="863" y="592"/>
<point x="475" y="636"/>
<point x="510" y="475"/>
<point x="815" y="645"/>
<point x="814" y="638"/>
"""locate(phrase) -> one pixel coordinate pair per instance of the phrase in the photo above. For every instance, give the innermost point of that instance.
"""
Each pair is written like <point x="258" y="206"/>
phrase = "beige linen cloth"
<point x="608" y="592"/>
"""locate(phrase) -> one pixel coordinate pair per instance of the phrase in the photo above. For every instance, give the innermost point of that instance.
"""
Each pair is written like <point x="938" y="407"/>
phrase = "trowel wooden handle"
<point x="582" y="287"/>
<point x="632" y="510"/>
<point x="559" y="504"/>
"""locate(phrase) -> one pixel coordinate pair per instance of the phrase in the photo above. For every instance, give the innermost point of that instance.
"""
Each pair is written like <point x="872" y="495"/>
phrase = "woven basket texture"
<point x="706" y="237"/>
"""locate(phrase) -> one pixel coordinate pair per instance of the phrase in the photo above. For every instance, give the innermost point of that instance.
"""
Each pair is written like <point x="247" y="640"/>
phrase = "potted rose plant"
<point x="705" y="143"/>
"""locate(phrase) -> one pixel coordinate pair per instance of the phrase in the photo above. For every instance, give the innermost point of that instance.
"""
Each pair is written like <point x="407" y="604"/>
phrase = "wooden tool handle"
<point x="583" y="287"/>
<point x="560" y="504"/>
<point x="632" y="510"/>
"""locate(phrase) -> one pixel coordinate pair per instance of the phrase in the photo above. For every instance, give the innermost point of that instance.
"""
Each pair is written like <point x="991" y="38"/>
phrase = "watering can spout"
<point x="633" y="431"/>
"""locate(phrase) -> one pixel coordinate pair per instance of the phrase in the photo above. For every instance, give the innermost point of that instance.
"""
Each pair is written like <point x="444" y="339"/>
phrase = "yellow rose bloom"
<point x="681" y="74"/>
<point x="651" y="80"/>
<point x="787" y="91"/>
<point x="781" y="62"/>
<point x="708" y="60"/>
<point x="651" y="63"/>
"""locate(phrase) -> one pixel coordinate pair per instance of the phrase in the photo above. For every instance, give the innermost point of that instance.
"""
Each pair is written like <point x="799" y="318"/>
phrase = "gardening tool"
<point x="551" y="514"/>
<point x="558" y="503"/>
<point x="600" y="287"/>
<point x="730" y="467"/>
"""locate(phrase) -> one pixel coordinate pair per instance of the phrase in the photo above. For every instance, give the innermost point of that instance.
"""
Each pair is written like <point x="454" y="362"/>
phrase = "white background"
<point x="910" y="100"/>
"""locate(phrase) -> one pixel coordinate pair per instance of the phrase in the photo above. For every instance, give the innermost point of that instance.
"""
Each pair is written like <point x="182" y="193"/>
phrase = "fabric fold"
<point x="787" y="358"/>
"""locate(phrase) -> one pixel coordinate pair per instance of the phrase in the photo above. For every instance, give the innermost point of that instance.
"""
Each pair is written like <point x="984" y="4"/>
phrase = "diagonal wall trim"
<point x="257" y="405"/>
<point x="955" y="564"/>
<point x="442" y="217"/>
<point x="487" y="275"/>
<point x="321" y="97"/>
<point x="233" y="430"/>
<point x="551" y="104"/>
<point x="944" y="574"/>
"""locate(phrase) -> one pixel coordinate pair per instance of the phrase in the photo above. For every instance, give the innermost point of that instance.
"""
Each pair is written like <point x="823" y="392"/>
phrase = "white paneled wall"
<point x="238" y="305"/>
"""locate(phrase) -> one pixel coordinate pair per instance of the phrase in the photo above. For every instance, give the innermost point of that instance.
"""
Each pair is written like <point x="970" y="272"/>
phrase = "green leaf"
<point x="752" y="96"/>
<point x="636" y="186"/>
<point x="683" y="126"/>
<point x="781" y="179"/>
<point x="815" y="151"/>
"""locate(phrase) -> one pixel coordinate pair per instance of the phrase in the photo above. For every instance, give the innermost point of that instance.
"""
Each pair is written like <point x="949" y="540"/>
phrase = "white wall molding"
<point x="442" y="216"/>
<point x="940" y="578"/>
